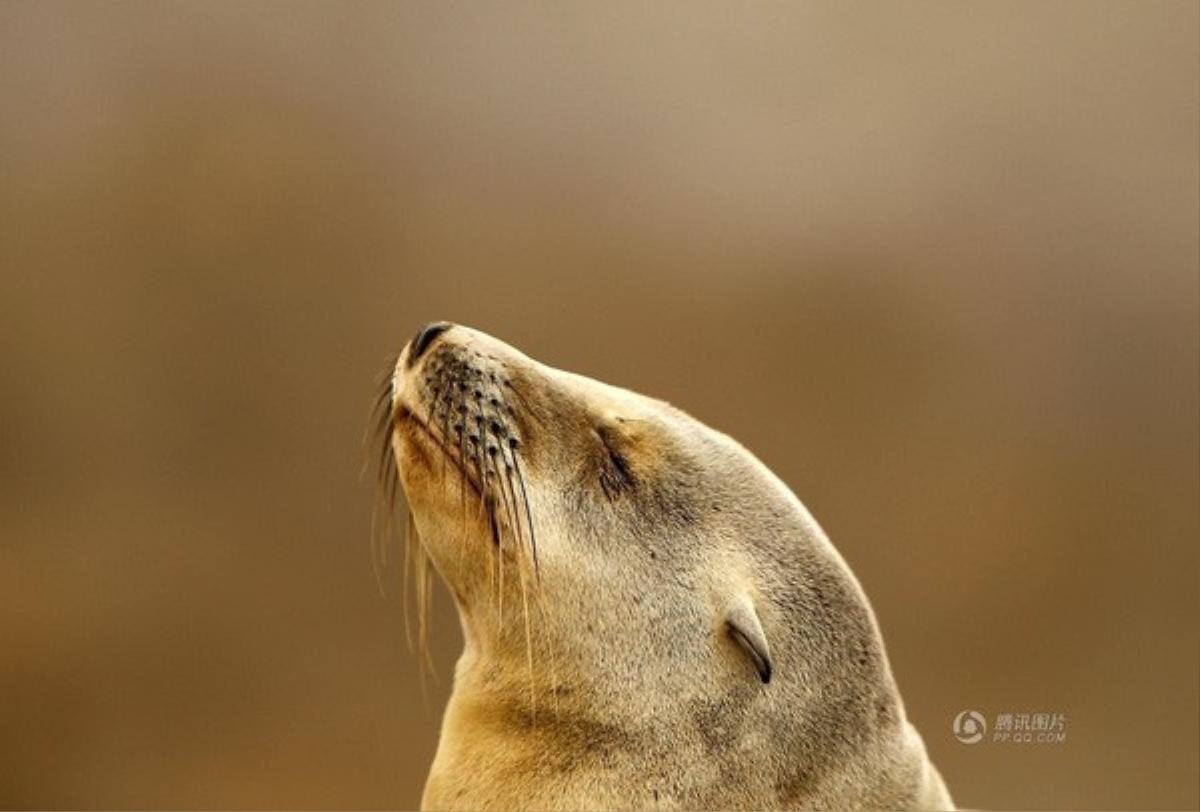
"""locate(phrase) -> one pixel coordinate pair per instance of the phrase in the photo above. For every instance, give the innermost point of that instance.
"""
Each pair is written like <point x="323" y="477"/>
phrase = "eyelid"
<point x="616" y="475"/>
<point x="610" y="438"/>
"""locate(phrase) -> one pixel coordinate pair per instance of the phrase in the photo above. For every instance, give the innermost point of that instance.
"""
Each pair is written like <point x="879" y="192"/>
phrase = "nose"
<point x="424" y="338"/>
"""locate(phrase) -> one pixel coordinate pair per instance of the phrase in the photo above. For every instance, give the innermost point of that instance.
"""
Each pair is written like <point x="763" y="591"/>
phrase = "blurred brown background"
<point x="935" y="264"/>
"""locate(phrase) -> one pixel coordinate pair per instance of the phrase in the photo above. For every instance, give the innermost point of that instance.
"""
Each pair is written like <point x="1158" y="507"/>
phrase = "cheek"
<point x="554" y="526"/>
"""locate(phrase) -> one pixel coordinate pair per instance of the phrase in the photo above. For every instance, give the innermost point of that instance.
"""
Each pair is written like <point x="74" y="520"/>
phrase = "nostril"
<point x="424" y="338"/>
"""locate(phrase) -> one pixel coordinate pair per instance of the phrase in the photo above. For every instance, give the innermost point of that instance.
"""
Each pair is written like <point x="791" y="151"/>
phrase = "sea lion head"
<point x="622" y="569"/>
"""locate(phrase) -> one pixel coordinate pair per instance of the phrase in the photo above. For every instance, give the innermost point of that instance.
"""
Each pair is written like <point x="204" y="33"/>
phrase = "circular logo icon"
<point x="969" y="726"/>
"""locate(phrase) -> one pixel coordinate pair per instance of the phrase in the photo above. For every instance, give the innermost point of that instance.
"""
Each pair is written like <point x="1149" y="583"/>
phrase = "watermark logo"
<point x="969" y="726"/>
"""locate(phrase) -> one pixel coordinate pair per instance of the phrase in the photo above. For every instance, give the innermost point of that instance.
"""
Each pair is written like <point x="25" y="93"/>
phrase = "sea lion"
<point x="651" y="619"/>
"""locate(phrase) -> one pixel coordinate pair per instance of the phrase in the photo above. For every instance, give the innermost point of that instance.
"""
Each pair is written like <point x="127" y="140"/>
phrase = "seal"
<point x="651" y="619"/>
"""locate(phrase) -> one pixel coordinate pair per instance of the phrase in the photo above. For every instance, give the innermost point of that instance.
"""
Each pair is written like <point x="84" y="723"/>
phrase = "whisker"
<point x="528" y="637"/>
<point x="528" y="513"/>
<point x="522" y="568"/>
<point x="377" y="440"/>
<point x="527" y="409"/>
<point x="508" y="501"/>
<point x="462" y="493"/>
<point x="424" y="584"/>
<point x="513" y="526"/>
<point x="494" y="451"/>
<point x="409" y="552"/>
<point x="443" y="400"/>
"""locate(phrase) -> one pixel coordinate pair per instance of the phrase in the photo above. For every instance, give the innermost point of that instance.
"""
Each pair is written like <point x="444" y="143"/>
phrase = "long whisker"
<point x="504" y="454"/>
<point x="512" y="445"/>
<point x="410" y="550"/>
<point x="522" y="567"/>
<point x="528" y="636"/>
<point x="462" y="489"/>
<point x="498" y="497"/>
<point x="487" y="513"/>
<point x="516" y="461"/>
<point x="494" y="451"/>
<point x="377" y="440"/>
<point x="384" y="515"/>
<point x="491" y="437"/>
<point x="424" y="583"/>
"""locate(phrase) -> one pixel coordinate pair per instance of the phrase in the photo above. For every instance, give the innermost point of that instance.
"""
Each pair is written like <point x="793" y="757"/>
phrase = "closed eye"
<point x="616" y="476"/>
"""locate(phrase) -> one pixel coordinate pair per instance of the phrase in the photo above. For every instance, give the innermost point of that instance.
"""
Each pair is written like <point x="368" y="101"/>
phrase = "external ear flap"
<point x="747" y="632"/>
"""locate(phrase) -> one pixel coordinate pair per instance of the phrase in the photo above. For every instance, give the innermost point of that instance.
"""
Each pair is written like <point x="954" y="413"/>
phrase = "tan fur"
<point x="674" y="573"/>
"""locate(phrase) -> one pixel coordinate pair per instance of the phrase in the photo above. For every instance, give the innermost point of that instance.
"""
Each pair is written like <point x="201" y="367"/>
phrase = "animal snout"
<point x="424" y="339"/>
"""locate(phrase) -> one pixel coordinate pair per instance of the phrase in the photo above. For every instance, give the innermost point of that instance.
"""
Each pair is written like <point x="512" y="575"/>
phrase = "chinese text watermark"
<point x="971" y="727"/>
